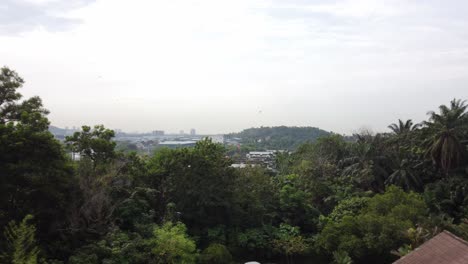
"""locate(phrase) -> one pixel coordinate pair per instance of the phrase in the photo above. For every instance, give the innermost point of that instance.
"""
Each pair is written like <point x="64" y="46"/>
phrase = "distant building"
<point x="444" y="248"/>
<point x="264" y="158"/>
<point x="217" y="138"/>
<point x="193" y="132"/>
<point x="260" y="155"/>
<point x="157" y="133"/>
<point x="181" y="132"/>
<point x="177" y="144"/>
<point x="242" y="165"/>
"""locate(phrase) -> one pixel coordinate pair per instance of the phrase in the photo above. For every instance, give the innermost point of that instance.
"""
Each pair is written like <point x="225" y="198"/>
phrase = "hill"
<point x="280" y="137"/>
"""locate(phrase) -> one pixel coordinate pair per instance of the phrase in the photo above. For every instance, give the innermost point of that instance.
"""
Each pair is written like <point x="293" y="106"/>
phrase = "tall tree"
<point x="403" y="127"/>
<point x="446" y="131"/>
<point x="199" y="181"/>
<point x="405" y="176"/>
<point x="35" y="175"/>
<point x="367" y="165"/>
<point x="95" y="144"/>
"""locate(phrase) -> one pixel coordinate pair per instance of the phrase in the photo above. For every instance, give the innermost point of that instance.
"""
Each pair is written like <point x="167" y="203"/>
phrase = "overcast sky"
<point x="223" y="65"/>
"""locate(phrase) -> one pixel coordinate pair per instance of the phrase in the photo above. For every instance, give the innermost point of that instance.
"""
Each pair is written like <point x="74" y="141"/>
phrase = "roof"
<point x="444" y="248"/>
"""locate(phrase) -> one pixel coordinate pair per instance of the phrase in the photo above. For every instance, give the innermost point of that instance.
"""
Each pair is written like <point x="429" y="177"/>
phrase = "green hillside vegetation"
<point x="370" y="200"/>
<point x="281" y="137"/>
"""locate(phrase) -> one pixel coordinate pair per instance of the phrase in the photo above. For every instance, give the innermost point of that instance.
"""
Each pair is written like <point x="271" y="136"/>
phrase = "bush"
<point x="216" y="254"/>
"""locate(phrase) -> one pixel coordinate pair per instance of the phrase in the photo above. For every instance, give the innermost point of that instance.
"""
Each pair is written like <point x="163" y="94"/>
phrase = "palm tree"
<point x="367" y="165"/>
<point x="405" y="176"/>
<point x="403" y="127"/>
<point x="447" y="129"/>
<point x="403" y="135"/>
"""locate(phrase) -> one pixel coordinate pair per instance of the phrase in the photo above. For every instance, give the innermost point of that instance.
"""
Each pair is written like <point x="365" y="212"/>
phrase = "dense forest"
<point x="370" y="200"/>
<point x="278" y="138"/>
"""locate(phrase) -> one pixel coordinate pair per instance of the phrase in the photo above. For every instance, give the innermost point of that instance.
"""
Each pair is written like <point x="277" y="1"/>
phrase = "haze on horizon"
<point x="221" y="66"/>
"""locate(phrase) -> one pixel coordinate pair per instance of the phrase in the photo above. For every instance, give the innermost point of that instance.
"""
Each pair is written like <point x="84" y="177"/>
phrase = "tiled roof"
<point x="444" y="248"/>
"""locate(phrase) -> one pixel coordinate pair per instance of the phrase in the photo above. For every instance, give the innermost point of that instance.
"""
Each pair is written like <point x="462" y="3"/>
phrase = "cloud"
<point x="211" y="64"/>
<point x="19" y="16"/>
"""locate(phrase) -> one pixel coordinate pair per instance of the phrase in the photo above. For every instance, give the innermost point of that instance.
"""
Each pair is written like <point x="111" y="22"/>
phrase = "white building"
<point x="217" y="138"/>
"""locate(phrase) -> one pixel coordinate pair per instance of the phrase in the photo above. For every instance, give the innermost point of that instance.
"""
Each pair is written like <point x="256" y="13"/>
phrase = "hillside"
<point x="280" y="137"/>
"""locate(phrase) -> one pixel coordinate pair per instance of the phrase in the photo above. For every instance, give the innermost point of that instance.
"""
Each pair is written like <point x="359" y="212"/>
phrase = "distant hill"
<point x="281" y="137"/>
<point x="61" y="133"/>
<point x="57" y="130"/>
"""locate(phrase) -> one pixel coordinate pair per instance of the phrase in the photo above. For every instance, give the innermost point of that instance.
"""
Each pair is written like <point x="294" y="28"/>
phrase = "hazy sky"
<point x="225" y="65"/>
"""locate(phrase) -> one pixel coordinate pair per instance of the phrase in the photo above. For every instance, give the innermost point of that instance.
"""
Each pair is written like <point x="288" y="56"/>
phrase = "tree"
<point x="216" y="254"/>
<point x="198" y="180"/>
<point x="255" y="198"/>
<point x="95" y="144"/>
<point x="368" y="164"/>
<point x="446" y="130"/>
<point x="289" y="242"/>
<point x="21" y="243"/>
<point x="403" y="127"/>
<point x="295" y="204"/>
<point x="99" y="193"/>
<point x="449" y="197"/>
<point x="348" y="207"/>
<point x="10" y="81"/>
<point x="406" y="177"/>
<point x="171" y="245"/>
<point x="115" y="247"/>
<point x="378" y="228"/>
<point x="10" y="109"/>
<point x="257" y="241"/>
<point x="341" y="257"/>
<point x="35" y="175"/>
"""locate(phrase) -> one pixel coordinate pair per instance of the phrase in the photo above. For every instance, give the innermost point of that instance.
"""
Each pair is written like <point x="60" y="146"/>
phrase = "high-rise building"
<point x="181" y="132"/>
<point x="193" y="132"/>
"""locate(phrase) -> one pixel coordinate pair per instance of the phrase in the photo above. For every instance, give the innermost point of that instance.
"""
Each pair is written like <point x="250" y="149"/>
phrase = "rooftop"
<point x="444" y="248"/>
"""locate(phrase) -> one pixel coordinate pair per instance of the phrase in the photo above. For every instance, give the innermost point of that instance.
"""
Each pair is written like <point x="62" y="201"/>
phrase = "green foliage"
<point x="93" y="207"/>
<point x="446" y="131"/>
<point x="378" y="228"/>
<point x="461" y="229"/>
<point x="171" y="244"/>
<point x="367" y="166"/>
<point x="35" y="175"/>
<point x="257" y="239"/>
<point x="403" y="250"/>
<point x="341" y="257"/>
<point x="288" y="241"/>
<point x="29" y="112"/>
<point x="199" y="181"/>
<point x="95" y="144"/>
<point x="348" y="207"/>
<point x="295" y="204"/>
<point x="405" y="176"/>
<point x="281" y="137"/>
<point x="116" y="247"/>
<point x="255" y="198"/>
<point x="449" y="197"/>
<point x="21" y="243"/>
<point x="403" y="128"/>
<point x="136" y="211"/>
<point x="216" y="254"/>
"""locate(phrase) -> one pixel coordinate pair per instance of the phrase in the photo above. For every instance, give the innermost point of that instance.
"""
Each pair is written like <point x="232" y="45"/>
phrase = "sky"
<point x="222" y="66"/>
